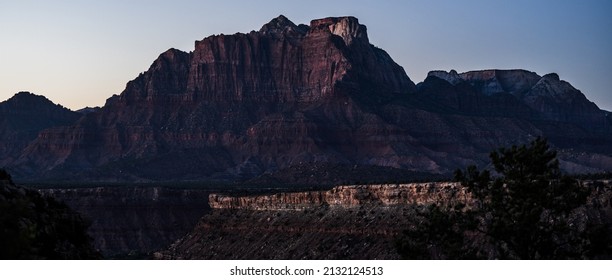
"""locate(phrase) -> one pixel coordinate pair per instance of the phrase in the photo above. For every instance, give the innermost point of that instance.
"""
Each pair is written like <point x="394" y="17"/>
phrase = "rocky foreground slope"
<point x="346" y="222"/>
<point x="291" y="96"/>
<point x="33" y="226"/>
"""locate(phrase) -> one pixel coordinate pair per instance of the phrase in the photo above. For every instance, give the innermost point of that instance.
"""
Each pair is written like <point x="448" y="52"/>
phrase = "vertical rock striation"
<point x="245" y="105"/>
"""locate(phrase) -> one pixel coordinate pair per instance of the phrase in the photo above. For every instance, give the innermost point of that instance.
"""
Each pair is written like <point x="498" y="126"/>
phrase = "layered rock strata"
<point x="247" y="105"/>
<point x="383" y="195"/>
<point x="346" y="222"/>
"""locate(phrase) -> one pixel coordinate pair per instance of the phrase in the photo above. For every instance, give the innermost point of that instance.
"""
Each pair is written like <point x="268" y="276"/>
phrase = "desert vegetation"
<point x="38" y="227"/>
<point x="524" y="209"/>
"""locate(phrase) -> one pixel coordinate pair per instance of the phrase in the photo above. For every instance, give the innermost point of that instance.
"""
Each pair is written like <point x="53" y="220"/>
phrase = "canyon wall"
<point x="346" y="222"/>
<point x="348" y="196"/>
<point x="131" y="222"/>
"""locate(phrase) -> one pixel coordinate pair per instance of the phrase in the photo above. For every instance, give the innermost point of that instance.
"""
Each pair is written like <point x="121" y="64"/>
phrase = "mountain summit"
<point x="299" y="97"/>
<point x="22" y="117"/>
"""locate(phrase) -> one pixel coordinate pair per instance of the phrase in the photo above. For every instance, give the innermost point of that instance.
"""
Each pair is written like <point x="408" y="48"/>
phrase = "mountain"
<point x="548" y="97"/>
<point x="554" y="107"/>
<point x="22" y="117"/>
<point x="303" y="96"/>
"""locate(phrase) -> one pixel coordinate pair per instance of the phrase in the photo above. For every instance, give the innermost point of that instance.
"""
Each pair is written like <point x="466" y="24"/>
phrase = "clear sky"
<point x="78" y="53"/>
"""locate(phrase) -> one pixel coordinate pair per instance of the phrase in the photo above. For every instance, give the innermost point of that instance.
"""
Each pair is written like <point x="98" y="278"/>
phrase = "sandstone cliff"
<point x="256" y="104"/>
<point x="383" y="195"/>
<point x="346" y="222"/>
<point x="236" y="106"/>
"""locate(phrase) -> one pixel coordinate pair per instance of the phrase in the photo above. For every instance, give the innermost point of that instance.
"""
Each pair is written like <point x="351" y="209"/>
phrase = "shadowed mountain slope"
<point x="288" y="95"/>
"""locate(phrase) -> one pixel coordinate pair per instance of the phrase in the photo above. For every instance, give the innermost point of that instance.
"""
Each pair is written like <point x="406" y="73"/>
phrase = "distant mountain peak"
<point x="282" y="24"/>
<point x="88" y="110"/>
<point x="451" y="77"/>
<point x="556" y="90"/>
<point x="26" y="94"/>
<point x="552" y="76"/>
<point x="492" y="81"/>
<point x="278" y="23"/>
<point x="26" y="99"/>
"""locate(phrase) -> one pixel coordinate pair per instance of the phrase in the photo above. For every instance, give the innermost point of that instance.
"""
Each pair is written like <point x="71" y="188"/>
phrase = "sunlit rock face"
<point x="348" y="197"/>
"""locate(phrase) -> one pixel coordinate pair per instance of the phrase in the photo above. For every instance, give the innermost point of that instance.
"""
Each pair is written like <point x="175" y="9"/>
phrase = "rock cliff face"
<point x="245" y="105"/>
<point x="346" y="222"/>
<point x="348" y="197"/>
<point x="236" y="106"/>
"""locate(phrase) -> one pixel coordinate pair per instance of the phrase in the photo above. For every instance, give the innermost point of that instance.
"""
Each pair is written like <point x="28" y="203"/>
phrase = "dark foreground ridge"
<point x="38" y="227"/>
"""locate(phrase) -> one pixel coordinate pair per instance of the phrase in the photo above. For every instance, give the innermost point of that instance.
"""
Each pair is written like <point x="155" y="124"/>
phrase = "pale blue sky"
<point x="78" y="53"/>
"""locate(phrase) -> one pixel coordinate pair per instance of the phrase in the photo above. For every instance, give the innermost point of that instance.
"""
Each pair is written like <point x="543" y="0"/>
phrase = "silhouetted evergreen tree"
<point x="4" y="175"/>
<point x="524" y="212"/>
<point x="36" y="227"/>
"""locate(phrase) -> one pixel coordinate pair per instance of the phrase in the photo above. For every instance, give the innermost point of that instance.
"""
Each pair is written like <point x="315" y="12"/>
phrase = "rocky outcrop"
<point x="346" y="222"/>
<point x="348" y="196"/>
<point x="443" y="194"/>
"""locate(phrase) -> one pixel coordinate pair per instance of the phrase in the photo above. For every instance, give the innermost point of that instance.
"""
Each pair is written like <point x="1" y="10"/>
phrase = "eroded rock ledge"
<point x="348" y="197"/>
<point x="346" y="222"/>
